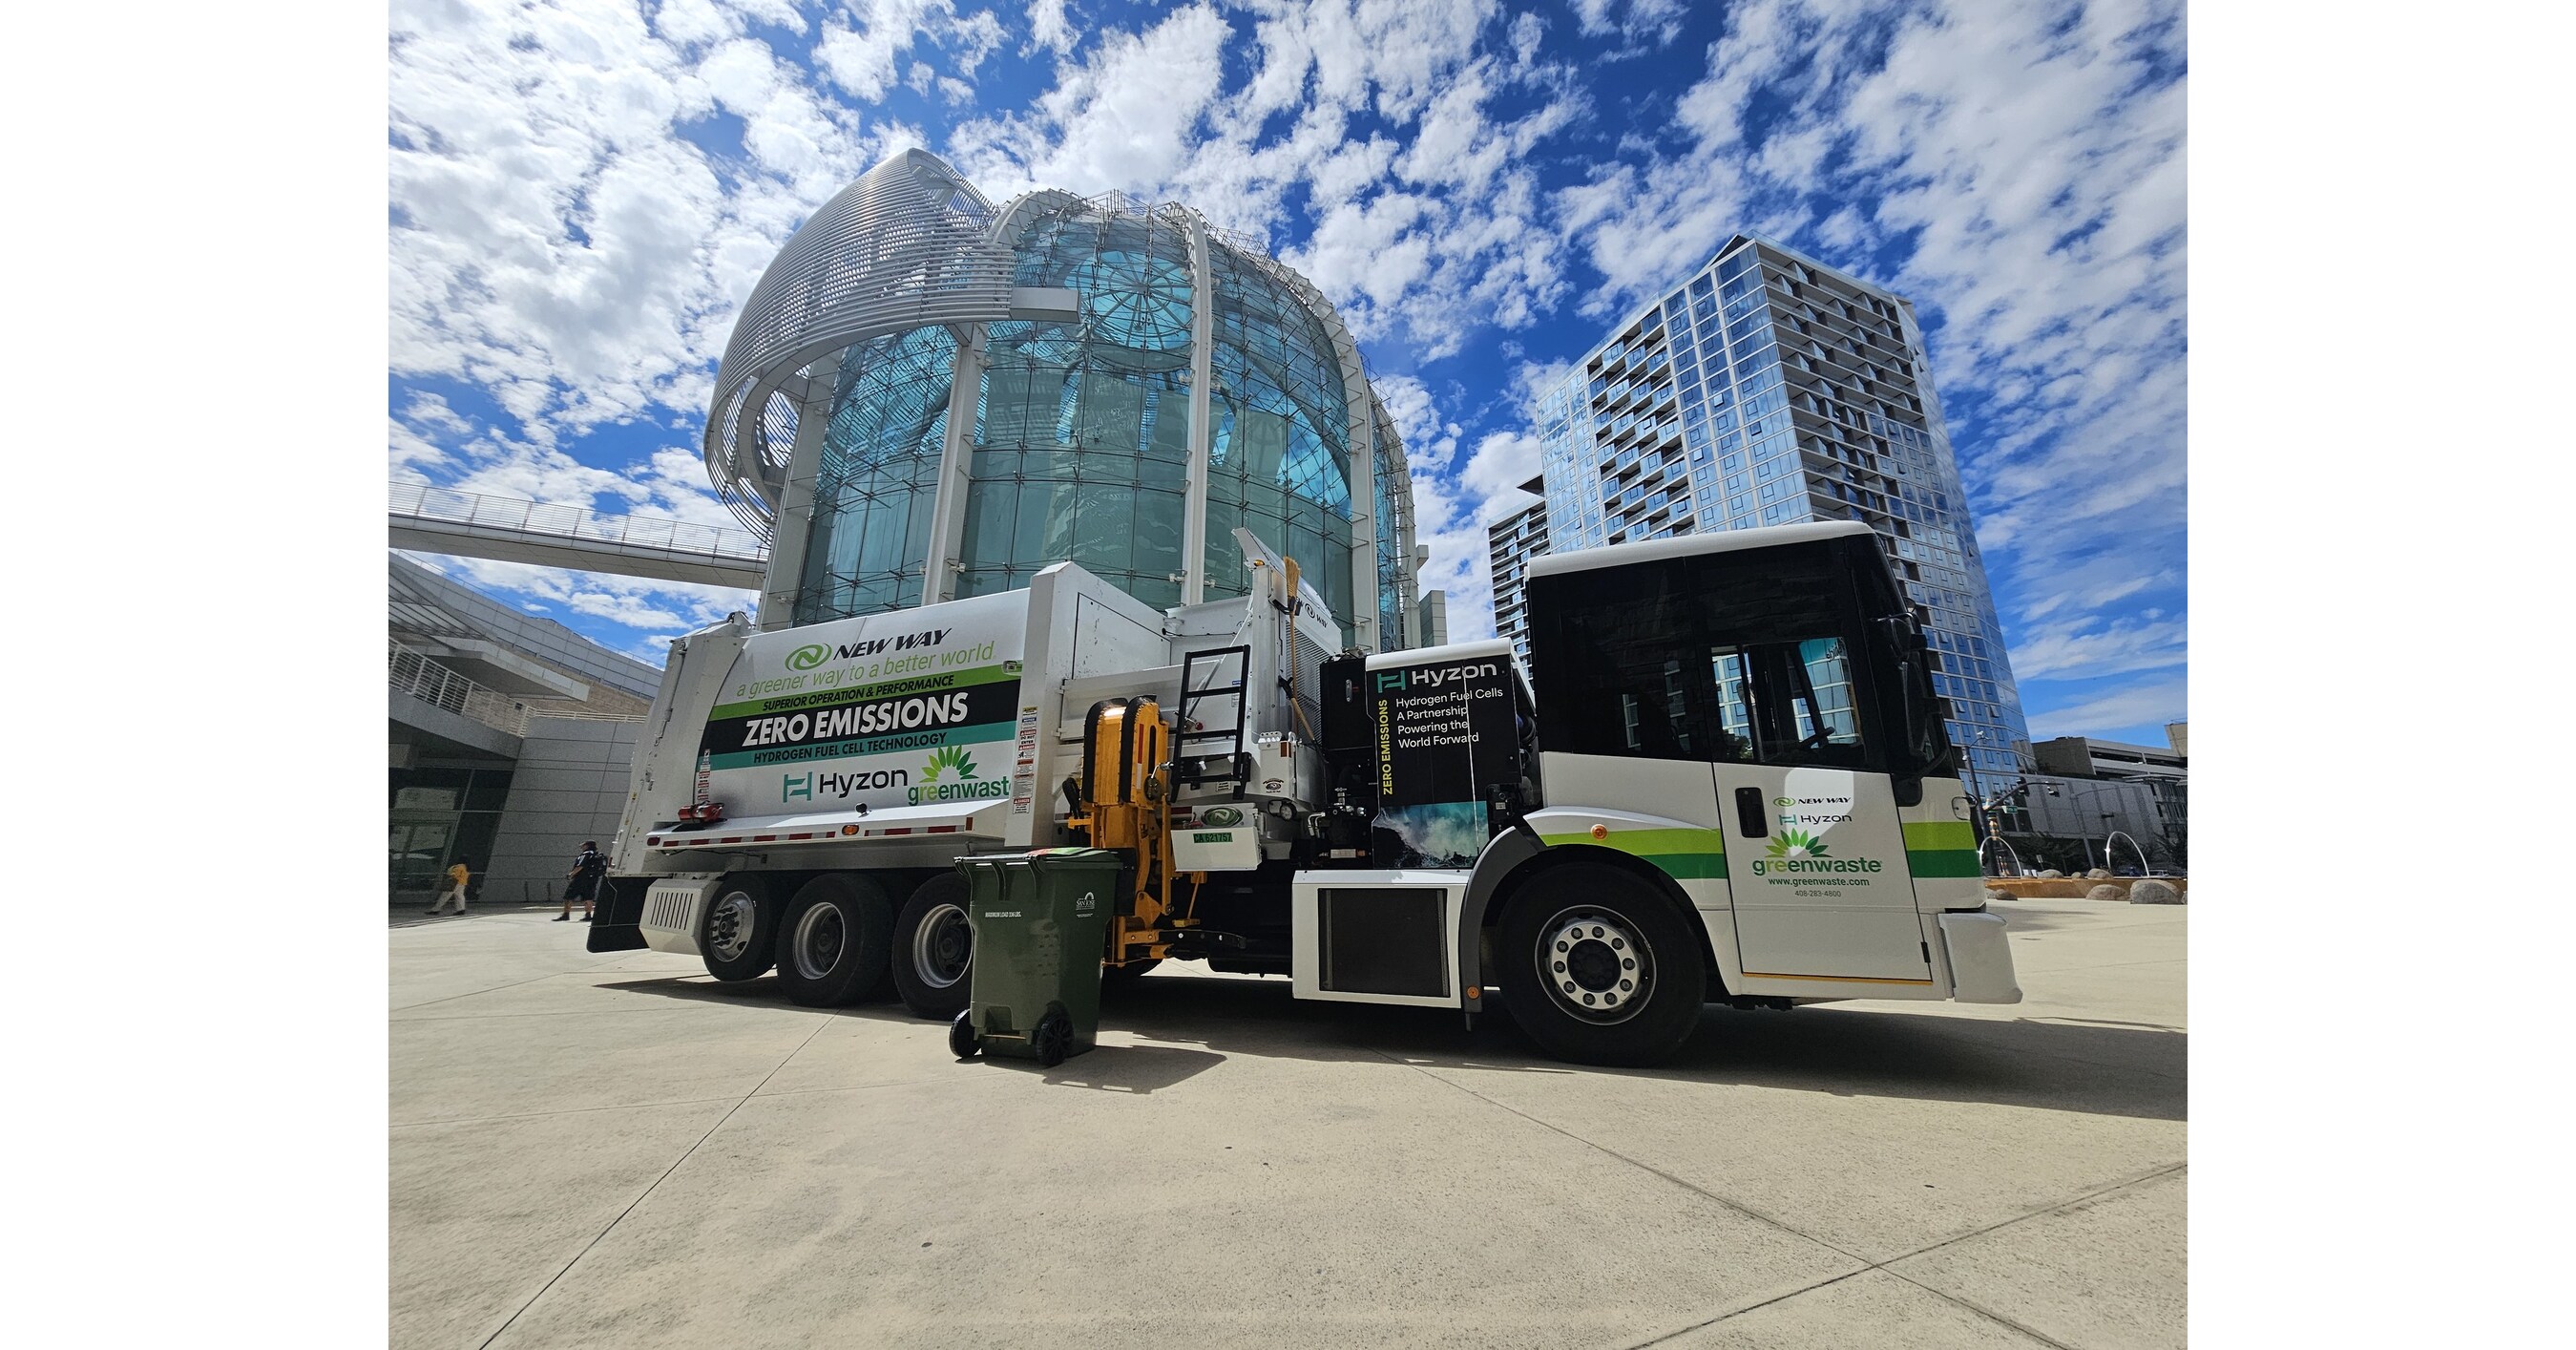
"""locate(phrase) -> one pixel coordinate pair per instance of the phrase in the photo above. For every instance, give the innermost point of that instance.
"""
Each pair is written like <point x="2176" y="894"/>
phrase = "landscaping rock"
<point x="2105" y="893"/>
<point x="2098" y="874"/>
<point x="2051" y="874"/>
<point x="2001" y="895"/>
<point x="2155" y="893"/>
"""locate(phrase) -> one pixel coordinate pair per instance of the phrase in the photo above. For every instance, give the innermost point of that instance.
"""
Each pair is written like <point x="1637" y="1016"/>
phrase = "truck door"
<point x="1816" y="853"/>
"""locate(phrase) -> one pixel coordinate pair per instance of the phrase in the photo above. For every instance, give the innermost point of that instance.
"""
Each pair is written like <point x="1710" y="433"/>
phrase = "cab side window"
<point x="1790" y="702"/>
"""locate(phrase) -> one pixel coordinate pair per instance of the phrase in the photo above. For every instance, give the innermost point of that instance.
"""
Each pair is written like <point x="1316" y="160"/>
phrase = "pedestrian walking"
<point x="457" y="876"/>
<point x="586" y="872"/>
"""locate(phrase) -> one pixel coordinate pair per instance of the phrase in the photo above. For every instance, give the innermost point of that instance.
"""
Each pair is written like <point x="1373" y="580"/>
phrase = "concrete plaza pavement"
<point x="615" y="1150"/>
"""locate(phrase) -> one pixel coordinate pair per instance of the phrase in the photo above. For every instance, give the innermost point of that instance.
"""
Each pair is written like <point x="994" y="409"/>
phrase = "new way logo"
<point x="807" y="657"/>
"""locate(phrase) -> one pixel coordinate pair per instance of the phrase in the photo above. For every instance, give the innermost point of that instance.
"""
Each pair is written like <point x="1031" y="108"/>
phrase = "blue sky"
<point x="583" y="193"/>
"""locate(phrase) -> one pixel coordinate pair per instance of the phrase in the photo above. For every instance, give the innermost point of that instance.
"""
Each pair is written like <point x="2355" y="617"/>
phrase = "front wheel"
<point x="1599" y="968"/>
<point x="738" y="933"/>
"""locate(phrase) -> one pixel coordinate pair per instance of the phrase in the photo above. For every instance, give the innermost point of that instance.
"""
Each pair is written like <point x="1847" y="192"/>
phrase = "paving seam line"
<point x="1943" y="1294"/>
<point x="541" y="1115"/>
<point x="431" y="1003"/>
<point x="647" y="1192"/>
<point x="1749" y="1212"/>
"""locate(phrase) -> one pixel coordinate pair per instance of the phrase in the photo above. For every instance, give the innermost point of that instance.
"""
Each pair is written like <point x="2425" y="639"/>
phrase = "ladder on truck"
<point x="1201" y="738"/>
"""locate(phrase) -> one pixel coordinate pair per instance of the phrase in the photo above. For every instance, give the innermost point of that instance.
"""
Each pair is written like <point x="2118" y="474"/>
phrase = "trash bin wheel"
<point x="1052" y="1038"/>
<point x="961" y="1036"/>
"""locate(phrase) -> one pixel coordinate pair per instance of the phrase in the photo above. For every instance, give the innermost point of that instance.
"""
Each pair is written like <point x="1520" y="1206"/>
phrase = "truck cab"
<point x="1737" y="788"/>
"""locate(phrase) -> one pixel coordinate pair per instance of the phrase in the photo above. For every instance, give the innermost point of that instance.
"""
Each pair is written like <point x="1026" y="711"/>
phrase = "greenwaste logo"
<point x="1796" y="853"/>
<point x="957" y="767"/>
<point x="1796" y="844"/>
<point x="807" y="657"/>
<point x="948" y="760"/>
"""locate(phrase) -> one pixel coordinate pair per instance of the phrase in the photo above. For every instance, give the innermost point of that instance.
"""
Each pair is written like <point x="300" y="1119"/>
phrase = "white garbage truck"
<point x="1722" y="779"/>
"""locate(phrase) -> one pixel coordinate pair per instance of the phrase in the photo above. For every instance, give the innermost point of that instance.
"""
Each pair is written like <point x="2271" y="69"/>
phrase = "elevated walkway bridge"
<point x="429" y="519"/>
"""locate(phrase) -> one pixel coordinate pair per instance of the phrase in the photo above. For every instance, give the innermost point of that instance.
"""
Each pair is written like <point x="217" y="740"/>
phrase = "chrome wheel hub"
<point x="729" y="926"/>
<point x="820" y="935"/>
<point x="1594" y="965"/>
<point x="942" y="946"/>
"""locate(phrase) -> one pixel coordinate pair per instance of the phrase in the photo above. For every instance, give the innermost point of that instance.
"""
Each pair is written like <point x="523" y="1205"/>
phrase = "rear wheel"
<point x="934" y="950"/>
<point x="1599" y="968"/>
<point x="832" y="948"/>
<point x="961" y="1037"/>
<point x="737" y="935"/>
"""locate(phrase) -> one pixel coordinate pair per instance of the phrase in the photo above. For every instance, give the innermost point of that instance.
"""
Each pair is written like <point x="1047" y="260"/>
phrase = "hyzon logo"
<point x="1389" y="679"/>
<point x="807" y="657"/>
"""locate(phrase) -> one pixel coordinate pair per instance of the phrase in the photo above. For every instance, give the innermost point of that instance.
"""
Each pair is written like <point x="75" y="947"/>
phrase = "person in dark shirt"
<point x="586" y="872"/>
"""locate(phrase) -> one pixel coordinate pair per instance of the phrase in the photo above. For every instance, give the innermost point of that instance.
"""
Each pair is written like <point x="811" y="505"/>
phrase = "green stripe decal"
<point x="1941" y="848"/>
<point x="1684" y="854"/>
<point x="1939" y="834"/>
<point x="830" y="696"/>
<point x="1943" y="862"/>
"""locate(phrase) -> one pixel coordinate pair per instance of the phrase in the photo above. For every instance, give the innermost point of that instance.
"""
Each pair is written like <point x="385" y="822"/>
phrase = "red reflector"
<point x="652" y="841"/>
<point x="764" y="838"/>
<point x="941" y="829"/>
<point x="892" y="833"/>
<point x="800" y="836"/>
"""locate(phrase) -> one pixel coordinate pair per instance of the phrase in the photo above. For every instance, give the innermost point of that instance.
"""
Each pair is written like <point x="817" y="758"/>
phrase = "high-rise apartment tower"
<point x="1767" y="389"/>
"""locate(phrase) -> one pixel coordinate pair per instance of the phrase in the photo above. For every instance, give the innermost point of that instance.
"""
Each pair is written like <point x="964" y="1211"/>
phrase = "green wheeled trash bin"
<point x="1041" y="926"/>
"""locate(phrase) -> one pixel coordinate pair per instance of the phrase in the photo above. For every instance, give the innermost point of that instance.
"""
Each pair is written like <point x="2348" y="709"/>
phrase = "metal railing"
<point x="412" y="673"/>
<point x="424" y="501"/>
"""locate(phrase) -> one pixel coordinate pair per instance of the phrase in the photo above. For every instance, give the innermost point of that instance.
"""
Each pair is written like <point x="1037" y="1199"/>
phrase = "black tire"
<point x="1051" y="1039"/>
<point x="1571" y="938"/>
<point x="738" y="930"/>
<point x="934" y="952"/>
<point x="961" y="1037"/>
<point x="832" y="946"/>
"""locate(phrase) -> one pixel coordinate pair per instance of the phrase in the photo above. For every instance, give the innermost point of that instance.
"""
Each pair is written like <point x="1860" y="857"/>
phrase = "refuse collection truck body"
<point x="1723" y="778"/>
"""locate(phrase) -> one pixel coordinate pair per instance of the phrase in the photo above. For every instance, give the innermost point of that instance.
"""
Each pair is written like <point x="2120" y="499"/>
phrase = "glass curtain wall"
<point x="877" y="481"/>
<point x="1082" y="431"/>
<point x="1391" y="580"/>
<point x="1279" y="463"/>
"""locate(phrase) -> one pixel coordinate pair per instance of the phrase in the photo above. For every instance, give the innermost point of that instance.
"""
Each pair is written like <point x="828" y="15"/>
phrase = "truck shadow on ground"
<point x="2097" y="1068"/>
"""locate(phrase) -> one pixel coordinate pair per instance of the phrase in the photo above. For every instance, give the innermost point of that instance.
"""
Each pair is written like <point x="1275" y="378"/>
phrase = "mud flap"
<point x="620" y="925"/>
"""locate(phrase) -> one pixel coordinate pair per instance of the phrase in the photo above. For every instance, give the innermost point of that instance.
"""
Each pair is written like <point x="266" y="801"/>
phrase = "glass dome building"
<point x="928" y="397"/>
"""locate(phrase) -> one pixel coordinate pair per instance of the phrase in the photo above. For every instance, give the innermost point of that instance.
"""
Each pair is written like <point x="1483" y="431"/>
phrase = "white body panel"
<point x="1855" y="943"/>
<point x="1306" y="925"/>
<point x="1823" y="892"/>
<point x="671" y="911"/>
<point x="1981" y="968"/>
<point x="1073" y="639"/>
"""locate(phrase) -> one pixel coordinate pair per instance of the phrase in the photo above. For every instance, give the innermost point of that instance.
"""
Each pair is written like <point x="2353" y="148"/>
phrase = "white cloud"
<point x="1048" y="27"/>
